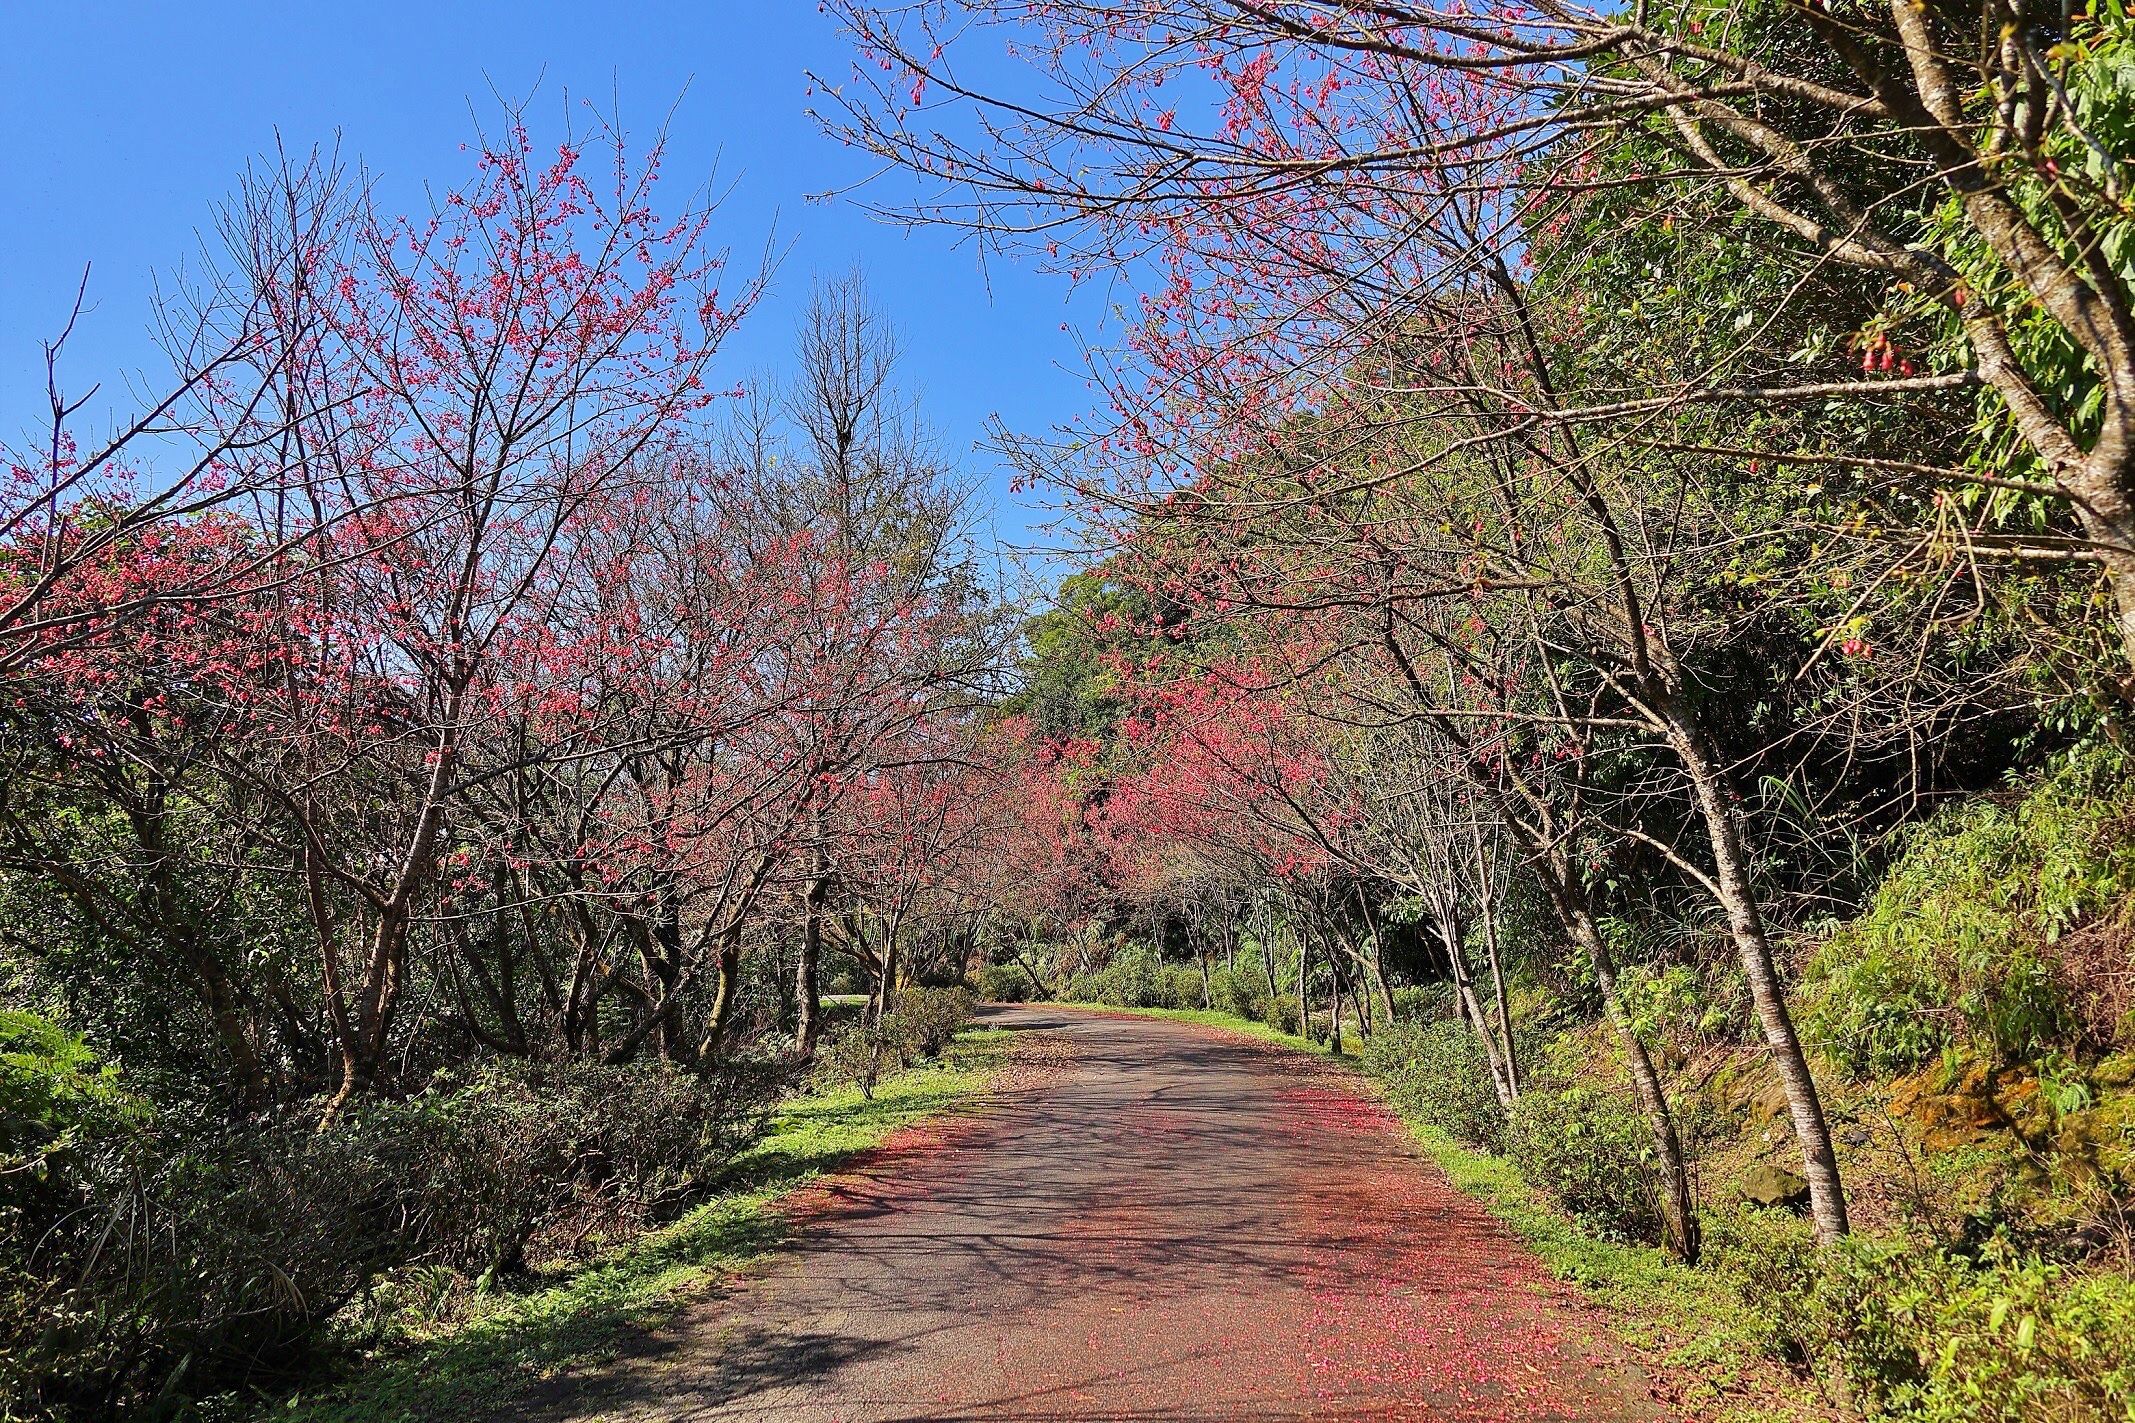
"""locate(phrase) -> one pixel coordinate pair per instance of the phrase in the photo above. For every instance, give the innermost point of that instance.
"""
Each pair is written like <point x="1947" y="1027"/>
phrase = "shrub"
<point x="1680" y="1008"/>
<point x="1976" y="916"/>
<point x="1421" y="1004"/>
<point x="1587" y="1145"/>
<point x="1238" y="993"/>
<point x="1002" y="983"/>
<point x="1769" y="1257"/>
<point x="1911" y="1331"/>
<point x="854" y="1056"/>
<point x="52" y="1091"/>
<point x="1281" y="1013"/>
<point x="493" y="1155"/>
<point x="1136" y="978"/>
<point x="1934" y="1338"/>
<point x="1438" y="1071"/>
<point x="923" y="1024"/>
<point x="1133" y="979"/>
<point x="1180" y="986"/>
<point x="927" y="1020"/>
<point x="168" y="1254"/>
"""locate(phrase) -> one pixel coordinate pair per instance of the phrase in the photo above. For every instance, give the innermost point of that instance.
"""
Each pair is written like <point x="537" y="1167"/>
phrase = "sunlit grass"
<point x="513" y="1344"/>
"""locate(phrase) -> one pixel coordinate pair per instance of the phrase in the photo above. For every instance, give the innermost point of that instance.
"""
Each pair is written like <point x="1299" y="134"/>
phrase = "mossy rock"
<point x="1766" y="1184"/>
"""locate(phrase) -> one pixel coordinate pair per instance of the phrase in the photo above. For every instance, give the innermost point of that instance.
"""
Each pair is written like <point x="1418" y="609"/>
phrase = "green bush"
<point x="1438" y="1071"/>
<point x="1680" y="1008"/>
<point x="1421" y="1004"/>
<point x="1934" y="1339"/>
<point x="52" y="1091"/>
<point x="927" y="1020"/>
<point x="1281" y="1013"/>
<point x="1002" y="983"/>
<point x="1243" y="993"/>
<point x="157" y="1256"/>
<point x="1911" y="1331"/>
<point x="1966" y="932"/>
<point x="1586" y="1144"/>
<point x="854" y="1056"/>
<point x="1134" y="978"/>
<point x="493" y="1155"/>
<point x="1238" y="993"/>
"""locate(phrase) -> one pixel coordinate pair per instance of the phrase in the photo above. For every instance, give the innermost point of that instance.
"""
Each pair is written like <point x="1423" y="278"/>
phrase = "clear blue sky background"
<point x="123" y="121"/>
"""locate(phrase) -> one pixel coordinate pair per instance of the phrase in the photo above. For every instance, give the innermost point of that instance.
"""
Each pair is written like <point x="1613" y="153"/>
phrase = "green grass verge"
<point x="481" y="1364"/>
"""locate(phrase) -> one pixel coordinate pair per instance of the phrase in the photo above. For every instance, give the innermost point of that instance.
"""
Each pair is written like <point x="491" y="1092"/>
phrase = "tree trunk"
<point x="892" y="965"/>
<point x="1334" y="1006"/>
<point x="1472" y="1010"/>
<point x="1679" y="1214"/>
<point x="807" y="998"/>
<point x="1378" y="986"/>
<point x="1745" y="919"/>
<point x="1304" y="1004"/>
<point x="715" y="1024"/>
<point x="1267" y="966"/>
<point x="1488" y="887"/>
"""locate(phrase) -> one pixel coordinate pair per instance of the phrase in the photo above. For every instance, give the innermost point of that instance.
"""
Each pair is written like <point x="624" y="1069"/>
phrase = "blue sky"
<point x="121" y="124"/>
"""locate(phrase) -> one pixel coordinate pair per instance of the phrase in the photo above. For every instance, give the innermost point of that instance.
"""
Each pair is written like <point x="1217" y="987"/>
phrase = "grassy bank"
<point x="510" y="1345"/>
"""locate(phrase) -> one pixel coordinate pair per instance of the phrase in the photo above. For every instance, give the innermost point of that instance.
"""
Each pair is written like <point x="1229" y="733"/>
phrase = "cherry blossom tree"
<point x="474" y="388"/>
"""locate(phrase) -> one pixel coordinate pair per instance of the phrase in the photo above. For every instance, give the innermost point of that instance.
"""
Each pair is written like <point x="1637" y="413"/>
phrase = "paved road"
<point x="1162" y="1222"/>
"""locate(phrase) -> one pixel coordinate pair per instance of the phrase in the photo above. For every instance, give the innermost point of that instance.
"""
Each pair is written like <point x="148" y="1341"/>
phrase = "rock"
<point x="1767" y="1185"/>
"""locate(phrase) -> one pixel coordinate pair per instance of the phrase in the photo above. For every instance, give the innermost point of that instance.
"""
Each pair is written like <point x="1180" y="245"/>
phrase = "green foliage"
<point x="1584" y="1142"/>
<point x="1678" y="1006"/>
<point x="1576" y="1136"/>
<point x="1968" y="936"/>
<point x="854" y="1056"/>
<point x="1239" y="993"/>
<point x="1910" y="1331"/>
<point x="1242" y="992"/>
<point x="1419" y="1004"/>
<point x="1001" y="983"/>
<point x="923" y="1024"/>
<point x="169" y="1255"/>
<point x="1136" y="978"/>
<point x="926" y="1020"/>
<point x="1069" y="688"/>
<point x="1437" y="1072"/>
<point x="2096" y="63"/>
<point x="1937" y="1339"/>
<point x="52" y="1089"/>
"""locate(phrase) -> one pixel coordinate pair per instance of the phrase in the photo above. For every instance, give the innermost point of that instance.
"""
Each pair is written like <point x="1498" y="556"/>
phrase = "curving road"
<point x="1157" y="1222"/>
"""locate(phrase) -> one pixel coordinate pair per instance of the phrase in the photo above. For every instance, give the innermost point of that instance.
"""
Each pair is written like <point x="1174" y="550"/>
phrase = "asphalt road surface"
<point x="1157" y="1221"/>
